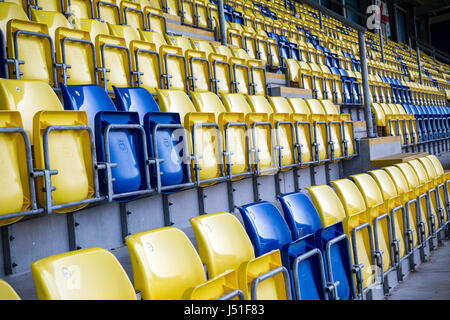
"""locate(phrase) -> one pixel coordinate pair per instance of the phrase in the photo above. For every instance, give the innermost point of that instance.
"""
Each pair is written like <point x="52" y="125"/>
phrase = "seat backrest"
<point x="208" y="102"/>
<point x="299" y="105"/>
<point x="437" y="164"/>
<point x="93" y="26"/>
<point x="328" y="204"/>
<point x="179" y="41"/>
<point x="123" y="31"/>
<point x="89" y="98"/>
<point x="350" y="196"/>
<point x="27" y="97"/>
<point x="420" y="171"/>
<point x="82" y="9"/>
<point x="8" y="11"/>
<point x="385" y="183"/>
<point x="410" y="175"/>
<point x="175" y="101"/>
<point x="91" y="274"/>
<point x="399" y="179"/>
<point x="235" y="102"/>
<point x="369" y="189"/>
<point x="259" y="104"/>
<point x="265" y="226"/>
<point x="165" y="263"/>
<point x="280" y="104"/>
<point x="315" y="106"/>
<point x="53" y="20"/>
<point x="202" y="45"/>
<point x="107" y="10"/>
<point x="136" y="100"/>
<point x="429" y="167"/>
<point x="222" y="242"/>
<point x="300" y="214"/>
<point x="329" y="107"/>
<point x="7" y="292"/>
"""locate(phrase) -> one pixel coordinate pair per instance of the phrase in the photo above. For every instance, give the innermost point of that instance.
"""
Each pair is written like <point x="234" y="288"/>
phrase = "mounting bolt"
<point x="14" y="265"/>
<point x="128" y="212"/>
<point x="76" y="224"/>
<point x="11" y="238"/>
<point x="78" y="247"/>
<point x="170" y="203"/>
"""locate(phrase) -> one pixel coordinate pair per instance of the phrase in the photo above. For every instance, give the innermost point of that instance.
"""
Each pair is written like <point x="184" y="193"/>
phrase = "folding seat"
<point x="155" y="20"/>
<point x="369" y="202"/>
<point x="205" y="136"/>
<point x="120" y="140"/>
<point x="299" y="117"/>
<point x="8" y="11"/>
<point x="30" y="50"/>
<point x="82" y="9"/>
<point x="327" y="133"/>
<point x="258" y="82"/>
<point x="269" y="231"/>
<point x="240" y="70"/>
<point x="93" y="26"/>
<point x="236" y="142"/>
<point x="167" y="267"/>
<point x="197" y="62"/>
<point x="283" y="129"/>
<point x="304" y="222"/>
<point x="47" y="5"/>
<point x="114" y="62"/>
<point x="223" y="245"/>
<point x="123" y="31"/>
<point x="108" y="11"/>
<point x="164" y="130"/>
<point x="133" y="14"/>
<point x="19" y="198"/>
<point x="415" y="201"/>
<point x="87" y="274"/>
<point x="443" y="178"/>
<point x="400" y="211"/>
<point x="436" y="208"/>
<point x="64" y="152"/>
<point x="349" y="143"/>
<point x="262" y="141"/>
<point x="53" y="20"/>
<point x="356" y="226"/>
<point x="7" y="292"/>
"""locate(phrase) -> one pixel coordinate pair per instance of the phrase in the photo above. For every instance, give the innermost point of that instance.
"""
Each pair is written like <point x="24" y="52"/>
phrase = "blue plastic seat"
<point x="165" y="138"/>
<point x="303" y="219"/>
<point x="268" y="231"/>
<point x="119" y="138"/>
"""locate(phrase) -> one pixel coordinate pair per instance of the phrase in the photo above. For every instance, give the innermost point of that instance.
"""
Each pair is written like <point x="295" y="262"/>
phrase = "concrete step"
<point x="288" y="92"/>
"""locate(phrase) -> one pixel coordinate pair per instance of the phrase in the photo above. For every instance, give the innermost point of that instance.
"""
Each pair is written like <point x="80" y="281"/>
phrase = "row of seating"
<point x="375" y="221"/>
<point x="92" y="149"/>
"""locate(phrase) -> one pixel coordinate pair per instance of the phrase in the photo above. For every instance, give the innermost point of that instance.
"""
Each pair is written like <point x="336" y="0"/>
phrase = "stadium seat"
<point x="205" y="136"/>
<point x="86" y="274"/>
<point x="120" y="140"/>
<point x="7" y="292"/>
<point x="223" y="245"/>
<point x="159" y="275"/>
<point x="356" y="227"/>
<point x="303" y="220"/>
<point x="17" y="170"/>
<point x="237" y="156"/>
<point x="64" y="148"/>
<point x="268" y="231"/>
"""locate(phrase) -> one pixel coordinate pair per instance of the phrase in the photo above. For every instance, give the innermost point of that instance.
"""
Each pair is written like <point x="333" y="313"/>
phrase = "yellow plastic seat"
<point x="260" y="130"/>
<point x="108" y="11"/>
<point x="204" y="132"/>
<point x="132" y="14"/>
<point x="53" y="20"/>
<point x="16" y="169"/>
<point x="87" y="274"/>
<point x="382" y="222"/>
<point x="69" y="152"/>
<point x="48" y="5"/>
<point x="9" y="11"/>
<point x="114" y="62"/>
<point x="167" y="267"/>
<point x="147" y="64"/>
<point x="331" y="210"/>
<point x="93" y="26"/>
<point x="82" y="9"/>
<point x="236" y="143"/>
<point x="155" y="19"/>
<point x="284" y="130"/>
<point x="174" y="68"/>
<point x="78" y="61"/>
<point x="256" y="69"/>
<point x="35" y="49"/>
<point x="7" y="292"/>
<point x="123" y="31"/>
<point x="409" y="195"/>
<point x="224" y="245"/>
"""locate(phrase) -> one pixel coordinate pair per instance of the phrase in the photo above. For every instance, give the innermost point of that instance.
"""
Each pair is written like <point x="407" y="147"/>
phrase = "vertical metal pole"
<point x="222" y="23"/>
<point x="344" y="10"/>
<point x="418" y="62"/>
<point x="365" y="83"/>
<point x="320" y="20"/>
<point x="410" y="46"/>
